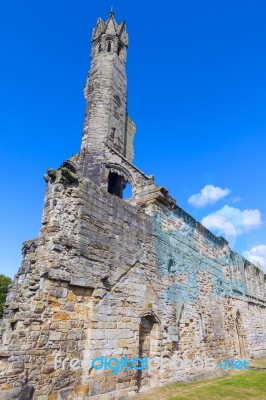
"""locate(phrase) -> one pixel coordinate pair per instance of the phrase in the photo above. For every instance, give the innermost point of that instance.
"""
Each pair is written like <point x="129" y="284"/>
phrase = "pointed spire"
<point x="111" y="16"/>
<point x="110" y="27"/>
<point x="111" y="23"/>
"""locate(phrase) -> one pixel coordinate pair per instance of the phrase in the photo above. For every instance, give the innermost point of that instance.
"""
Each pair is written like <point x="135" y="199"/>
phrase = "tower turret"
<point x="106" y="120"/>
<point x="110" y="37"/>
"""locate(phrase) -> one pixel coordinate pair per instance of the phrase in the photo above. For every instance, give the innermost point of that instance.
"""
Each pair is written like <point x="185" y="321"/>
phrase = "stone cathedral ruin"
<point x="115" y="278"/>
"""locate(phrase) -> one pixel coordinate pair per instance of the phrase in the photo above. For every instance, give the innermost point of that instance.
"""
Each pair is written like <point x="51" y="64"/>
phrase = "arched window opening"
<point x="116" y="184"/>
<point x="171" y="266"/>
<point x="128" y="191"/>
<point x="109" y="47"/>
<point x="148" y="345"/>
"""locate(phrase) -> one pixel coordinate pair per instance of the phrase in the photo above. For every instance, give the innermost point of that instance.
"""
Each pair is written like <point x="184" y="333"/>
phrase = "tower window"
<point x="116" y="184"/>
<point x="171" y="265"/>
<point x="112" y="135"/>
<point x="109" y="47"/>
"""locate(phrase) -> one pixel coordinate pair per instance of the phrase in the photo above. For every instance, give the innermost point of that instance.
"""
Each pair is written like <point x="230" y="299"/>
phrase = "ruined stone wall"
<point x="107" y="279"/>
<point x="113" y="278"/>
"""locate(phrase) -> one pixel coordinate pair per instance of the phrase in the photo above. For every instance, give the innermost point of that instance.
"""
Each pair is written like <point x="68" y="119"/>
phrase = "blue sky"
<point x="197" y="92"/>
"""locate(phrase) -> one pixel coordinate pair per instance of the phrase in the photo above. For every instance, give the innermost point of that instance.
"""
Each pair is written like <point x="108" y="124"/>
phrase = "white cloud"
<point x="208" y="195"/>
<point x="243" y="221"/>
<point x="257" y="255"/>
<point x="236" y="199"/>
<point x="230" y="222"/>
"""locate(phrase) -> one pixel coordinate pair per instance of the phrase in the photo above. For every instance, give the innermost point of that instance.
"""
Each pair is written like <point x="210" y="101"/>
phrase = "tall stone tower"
<point x="106" y="120"/>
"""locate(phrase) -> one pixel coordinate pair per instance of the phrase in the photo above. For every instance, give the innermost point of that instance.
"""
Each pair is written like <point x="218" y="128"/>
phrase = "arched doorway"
<point x="148" y="345"/>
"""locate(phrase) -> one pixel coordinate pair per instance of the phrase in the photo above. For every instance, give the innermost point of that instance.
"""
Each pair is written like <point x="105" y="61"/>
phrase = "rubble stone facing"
<point x="94" y="282"/>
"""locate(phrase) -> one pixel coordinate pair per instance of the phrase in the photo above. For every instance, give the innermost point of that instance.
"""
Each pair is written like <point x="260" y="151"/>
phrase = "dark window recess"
<point x="106" y="282"/>
<point x="171" y="265"/>
<point x="112" y="134"/>
<point x="13" y="325"/>
<point x="109" y="47"/>
<point x="116" y="184"/>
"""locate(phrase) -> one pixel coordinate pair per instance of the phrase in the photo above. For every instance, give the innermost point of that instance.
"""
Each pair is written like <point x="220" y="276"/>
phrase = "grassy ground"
<point x="260" y="362"/>
<point x="247" y="385"/>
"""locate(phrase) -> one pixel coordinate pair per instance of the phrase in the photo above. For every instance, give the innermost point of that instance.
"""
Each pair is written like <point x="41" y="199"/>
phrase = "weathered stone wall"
<point x="99" y="269"/>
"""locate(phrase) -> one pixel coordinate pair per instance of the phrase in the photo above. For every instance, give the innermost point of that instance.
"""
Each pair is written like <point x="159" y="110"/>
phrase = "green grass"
<point x="247" y="385"/>
<point x="260" y="362"/>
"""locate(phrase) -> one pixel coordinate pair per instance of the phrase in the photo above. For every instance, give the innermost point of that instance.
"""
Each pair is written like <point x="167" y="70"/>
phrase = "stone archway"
<point x="148" y="344"/>
<point x="118" y="177"/>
